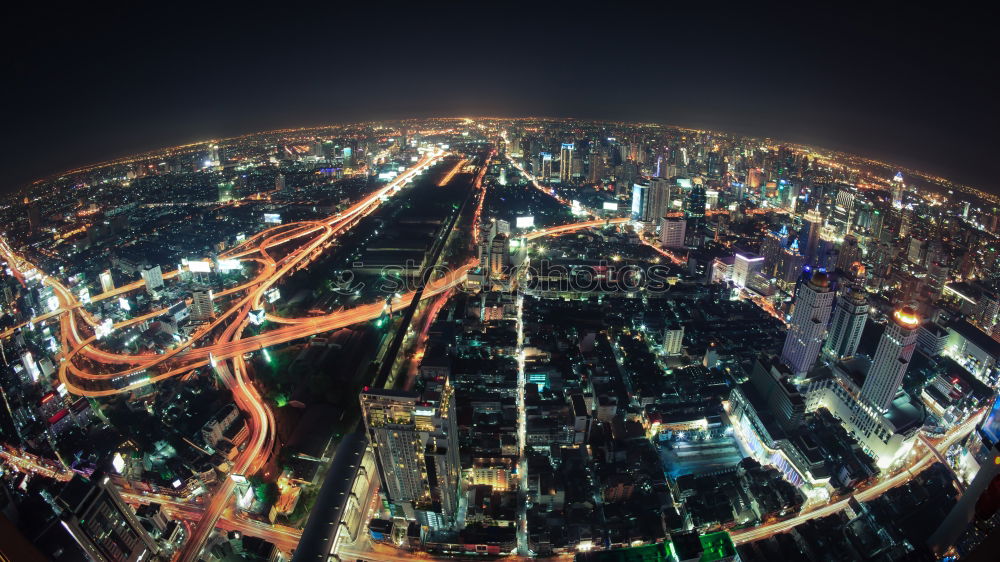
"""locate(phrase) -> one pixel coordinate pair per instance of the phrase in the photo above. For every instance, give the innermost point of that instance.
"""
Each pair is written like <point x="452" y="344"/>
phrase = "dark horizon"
<point x="909" y="88"/>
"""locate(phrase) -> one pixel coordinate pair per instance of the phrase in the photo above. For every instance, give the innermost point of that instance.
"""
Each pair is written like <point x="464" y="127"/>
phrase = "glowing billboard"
<point x="525" y="222"/>
<point x="610" y="206"/>
<point x="272" y="218"/>
<point x="199" y="266"/>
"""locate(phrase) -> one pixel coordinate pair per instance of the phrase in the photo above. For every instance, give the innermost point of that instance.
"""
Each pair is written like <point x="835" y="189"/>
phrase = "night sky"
<point x="909" y="86"/>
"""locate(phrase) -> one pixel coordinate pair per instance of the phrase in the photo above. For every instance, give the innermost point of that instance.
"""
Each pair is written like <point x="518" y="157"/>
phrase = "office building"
<point x="813" y="303"/>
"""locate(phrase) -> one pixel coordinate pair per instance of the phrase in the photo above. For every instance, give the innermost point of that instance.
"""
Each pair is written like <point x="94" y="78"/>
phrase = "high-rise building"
<point x="673" y="339"/>
<point x="892" y="357"/>
<point x="811" y="234"/>
<point x="695" y="213"/>
<point x="416" y="445"/>
<point x="745" y="266"/>
<point x="672" y="232"/>
<point x="898" y="188"/>
<point x="202" y="307"/>
<point x="153" y="276"/>
<point x="101" y="523"/>
<point x="596" y="171"/>
<point x="107" y="281"/>
<point x="566" y="162"/>
<point x="659" y="201"/>
<point x="640" y="199"/>
<point x="279" y="182"/>
<point x="545" y="167"/>
<point x="34" y="214"/>
<point x="813" y="302"/>
<point x="849" y="317"/>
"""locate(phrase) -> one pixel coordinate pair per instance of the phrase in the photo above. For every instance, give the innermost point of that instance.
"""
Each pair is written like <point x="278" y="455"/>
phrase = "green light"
<point x="267" y="356"/>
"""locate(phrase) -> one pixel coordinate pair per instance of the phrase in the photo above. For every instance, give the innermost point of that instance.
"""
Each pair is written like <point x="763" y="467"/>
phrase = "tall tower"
<point x="813" y="302"/>
<point x="898" y="187"/>
<point x="848" y="322"/>
<point x="416" y="444"/>
<point x="697" y="201"/>
<point x="566" y="162"/>
<point x="814" y="222"/>
<point x="892" y="357"/>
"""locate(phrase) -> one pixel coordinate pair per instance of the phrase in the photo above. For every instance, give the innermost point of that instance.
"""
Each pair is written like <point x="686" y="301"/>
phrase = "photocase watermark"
<point x="599" y="277"/>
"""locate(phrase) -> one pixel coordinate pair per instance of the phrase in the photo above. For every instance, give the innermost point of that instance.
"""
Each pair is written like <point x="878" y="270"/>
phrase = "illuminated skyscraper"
<point x="745" y="266"/>
<point x="892" y="357"/>
<point x="545" y="167"/>
<point x="810" y="233"/>
<point x="659" y="200"/>
<point x="898" y="188"/>
<point x="201" y="305"/>
<point x="566" y="162"/>
<point x="416" y="445"/>
<point x="672" y="232"/>
<point x="640" y="199"/>
<point x="813" y="302"/>
<point x="849" y="317"/>
<point x="697" y="200"/>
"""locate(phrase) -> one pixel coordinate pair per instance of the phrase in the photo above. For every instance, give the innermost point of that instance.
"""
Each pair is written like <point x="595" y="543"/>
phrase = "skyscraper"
<point x="416" y="444"/>
<point x="659" y="200"/>
<point x="745" y="266"/>
<point x="696" y="209"/>
<point x="892" y="357"/>
<point x="545" y="167"/>
<point x="34" y="214"/>
<point x="813" y="302"/>
<point x="898" y="187"/>
<point x="810" y="233"/>
<point x="153" y="276"/>
<point x="201" y="305"/>
<point x="848" y="322"/>
<point x="100" y="522"/>
<point x="566" y="162"/>
<point x="640" y="199"/>
<point x="672" y="232"/>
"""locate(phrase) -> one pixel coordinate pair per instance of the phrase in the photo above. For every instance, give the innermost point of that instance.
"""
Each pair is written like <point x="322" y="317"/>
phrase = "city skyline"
<point x="890" y="82"/>
<point x="499" y="281"/>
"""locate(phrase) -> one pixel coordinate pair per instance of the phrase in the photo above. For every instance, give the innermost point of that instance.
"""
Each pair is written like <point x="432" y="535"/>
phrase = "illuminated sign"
<point x="199" y="266"/>
<point x="230" y="265"/>
<point x="104" y="329"/>
<point x="118" y="462"/>
<point x="272" y="218"/>
<point x="524" y="222"/>
<point x="610" y="206"/>
<point x="256" y="317"/>
<point x="273" y="294"/>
